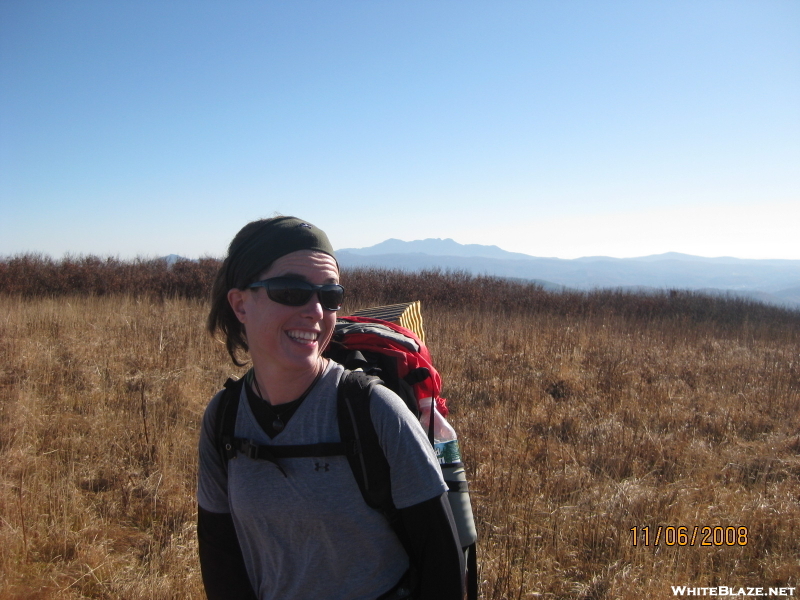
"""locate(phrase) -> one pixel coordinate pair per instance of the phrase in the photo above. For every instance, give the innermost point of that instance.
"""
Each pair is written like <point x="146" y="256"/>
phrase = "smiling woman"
<point x="281" y="515"/>
<point x="285" y="339"/>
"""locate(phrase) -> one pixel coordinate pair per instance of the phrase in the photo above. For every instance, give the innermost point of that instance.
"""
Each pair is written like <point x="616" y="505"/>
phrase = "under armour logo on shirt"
<point x="321" y="466"/>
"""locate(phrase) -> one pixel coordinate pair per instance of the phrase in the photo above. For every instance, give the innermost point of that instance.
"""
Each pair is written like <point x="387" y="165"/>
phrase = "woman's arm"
<point x="221" y="562"/>
<point x="433" y="549"/>
<point x="420" y="494"/>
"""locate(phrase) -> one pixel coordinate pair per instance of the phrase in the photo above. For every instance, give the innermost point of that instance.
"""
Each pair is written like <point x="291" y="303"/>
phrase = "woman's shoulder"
<point x="385" y="399"/>
<point x="414" y="468"/>
<point x="333" y="370"/>
<point x="391" y="415"/>
<point x="213" y="408"/>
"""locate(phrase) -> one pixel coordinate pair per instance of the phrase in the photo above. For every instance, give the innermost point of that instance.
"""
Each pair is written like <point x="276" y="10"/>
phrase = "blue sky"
<point x="555" y="128"/>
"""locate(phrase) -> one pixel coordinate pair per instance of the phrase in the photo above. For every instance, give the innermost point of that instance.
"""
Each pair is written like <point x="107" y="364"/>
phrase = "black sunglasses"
<point x="296" y="292"/>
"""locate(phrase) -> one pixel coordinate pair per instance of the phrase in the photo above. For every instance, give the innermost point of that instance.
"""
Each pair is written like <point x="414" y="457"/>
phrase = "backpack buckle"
<point x="249" y="449"/>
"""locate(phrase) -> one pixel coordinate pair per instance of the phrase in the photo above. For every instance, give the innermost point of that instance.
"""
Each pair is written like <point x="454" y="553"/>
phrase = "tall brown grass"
<point x="581" y="416"/>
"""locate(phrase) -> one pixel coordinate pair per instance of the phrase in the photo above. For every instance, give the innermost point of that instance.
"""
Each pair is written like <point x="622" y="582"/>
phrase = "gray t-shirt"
<point x="310" y="535"/>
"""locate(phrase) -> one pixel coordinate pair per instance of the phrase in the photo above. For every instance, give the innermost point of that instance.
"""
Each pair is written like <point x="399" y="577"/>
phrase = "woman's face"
<point x="288" y="339"/>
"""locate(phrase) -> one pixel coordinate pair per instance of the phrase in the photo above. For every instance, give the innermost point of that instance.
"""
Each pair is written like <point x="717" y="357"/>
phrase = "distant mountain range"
<point x="772" y="281"/>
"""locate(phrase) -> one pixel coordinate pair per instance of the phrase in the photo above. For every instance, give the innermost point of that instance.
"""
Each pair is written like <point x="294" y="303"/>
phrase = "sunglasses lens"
<point x="331" y="297"/>
<point x="288" y="292"/>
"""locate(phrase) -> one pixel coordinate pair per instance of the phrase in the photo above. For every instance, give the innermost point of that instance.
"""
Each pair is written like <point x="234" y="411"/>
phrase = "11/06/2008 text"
<point x="682" y="535"/>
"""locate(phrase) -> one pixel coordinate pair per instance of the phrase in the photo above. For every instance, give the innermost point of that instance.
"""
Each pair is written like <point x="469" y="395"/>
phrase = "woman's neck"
<point x="282" y="387"/>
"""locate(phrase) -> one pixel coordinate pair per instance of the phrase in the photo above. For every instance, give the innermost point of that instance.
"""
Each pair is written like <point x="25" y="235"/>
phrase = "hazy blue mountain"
<point x="776" y="281"/>
<point x="435" y="247"/>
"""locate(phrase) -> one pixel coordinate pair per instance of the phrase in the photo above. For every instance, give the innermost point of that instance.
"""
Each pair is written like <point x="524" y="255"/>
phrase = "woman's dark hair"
<point x="251" y="252"/>
<point x="221" y="316"/>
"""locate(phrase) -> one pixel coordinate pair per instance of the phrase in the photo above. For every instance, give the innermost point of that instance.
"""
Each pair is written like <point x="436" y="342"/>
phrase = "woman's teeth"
<point x="303" y="336"/>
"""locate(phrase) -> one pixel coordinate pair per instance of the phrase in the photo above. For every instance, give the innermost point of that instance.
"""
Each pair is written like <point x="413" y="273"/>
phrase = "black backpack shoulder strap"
<point x="368" y="462"/>
<point x="225" y="422"/>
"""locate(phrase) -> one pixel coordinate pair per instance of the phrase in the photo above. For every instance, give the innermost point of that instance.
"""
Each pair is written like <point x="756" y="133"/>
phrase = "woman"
<point x="301" y="529"/>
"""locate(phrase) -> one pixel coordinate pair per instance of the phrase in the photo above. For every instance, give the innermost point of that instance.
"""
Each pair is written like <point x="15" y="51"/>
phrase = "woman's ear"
<point x="236" y="300"/>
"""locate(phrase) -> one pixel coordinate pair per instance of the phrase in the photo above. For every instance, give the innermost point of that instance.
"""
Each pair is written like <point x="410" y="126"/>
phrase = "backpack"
<point x="373" y="352"/>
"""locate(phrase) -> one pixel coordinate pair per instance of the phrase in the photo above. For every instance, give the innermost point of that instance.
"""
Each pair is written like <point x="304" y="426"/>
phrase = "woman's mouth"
<point x="304" y="337"/>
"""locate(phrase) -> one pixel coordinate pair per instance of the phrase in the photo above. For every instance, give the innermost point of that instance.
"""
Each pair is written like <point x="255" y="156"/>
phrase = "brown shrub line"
<point x="38" y="276"/>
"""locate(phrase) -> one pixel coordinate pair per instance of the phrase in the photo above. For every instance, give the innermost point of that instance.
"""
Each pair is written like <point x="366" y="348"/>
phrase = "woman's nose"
<point x="313" y="307"/>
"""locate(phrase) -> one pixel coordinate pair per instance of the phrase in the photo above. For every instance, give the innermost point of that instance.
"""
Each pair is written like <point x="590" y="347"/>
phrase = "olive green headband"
<point x="269" y="240"/>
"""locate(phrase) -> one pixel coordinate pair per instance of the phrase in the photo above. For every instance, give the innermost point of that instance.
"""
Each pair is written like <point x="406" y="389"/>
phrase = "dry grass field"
<point x="579" y="421"/>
